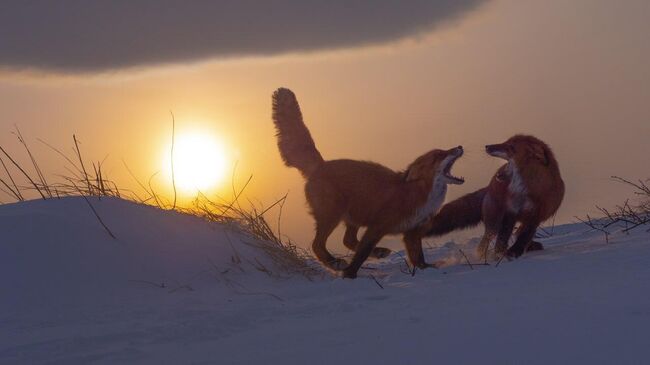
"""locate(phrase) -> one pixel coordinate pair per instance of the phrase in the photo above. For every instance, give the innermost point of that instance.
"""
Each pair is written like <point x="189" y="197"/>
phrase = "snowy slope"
<point x="169" y="290"/>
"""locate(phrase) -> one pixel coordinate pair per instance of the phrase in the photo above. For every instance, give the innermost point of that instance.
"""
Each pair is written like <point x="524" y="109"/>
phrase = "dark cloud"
<point x="94" y="35"/>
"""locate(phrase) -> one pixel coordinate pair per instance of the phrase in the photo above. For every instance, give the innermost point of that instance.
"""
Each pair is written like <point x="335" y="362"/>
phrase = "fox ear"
<point x="539" y="153"/>
<point x="410" y="173"/>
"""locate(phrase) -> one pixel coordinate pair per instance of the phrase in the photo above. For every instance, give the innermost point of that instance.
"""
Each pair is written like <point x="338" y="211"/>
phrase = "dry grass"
<point x="627" y="216"/>
<point x="87" y="179"/>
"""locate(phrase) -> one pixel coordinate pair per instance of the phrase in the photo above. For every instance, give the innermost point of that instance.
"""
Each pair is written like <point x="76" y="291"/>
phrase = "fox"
<point x="359" y="193"/>
<point x="528" y="190"/>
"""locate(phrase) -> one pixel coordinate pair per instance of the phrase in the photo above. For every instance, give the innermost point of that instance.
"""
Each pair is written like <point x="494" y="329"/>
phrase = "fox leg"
<point x="323" y="231"/>
<point x="327" y="208"/>
<point x="484" y="245"/>
<point x="533" y="245"/>
<point x="524" y="238"/>
<point x="368" y="242"/>
<point x="350" y="237"/>
<point x="413" y="245"/>
<point x="493" y="213"/>
<point x="351" y="242"/>
<point x="507" y="226"/>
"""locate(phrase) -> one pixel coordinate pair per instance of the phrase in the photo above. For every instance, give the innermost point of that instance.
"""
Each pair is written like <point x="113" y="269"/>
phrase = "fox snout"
<point x="497" y="150"/>
<point x="458" y="151"/>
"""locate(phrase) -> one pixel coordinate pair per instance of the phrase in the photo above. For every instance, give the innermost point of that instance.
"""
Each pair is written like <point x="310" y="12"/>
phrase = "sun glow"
<point x="199" y="162"/>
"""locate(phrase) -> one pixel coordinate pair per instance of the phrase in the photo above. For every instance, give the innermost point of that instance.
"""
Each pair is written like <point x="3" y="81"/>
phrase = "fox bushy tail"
<point x="464" y="212"/>
<point x="296" y="146"/>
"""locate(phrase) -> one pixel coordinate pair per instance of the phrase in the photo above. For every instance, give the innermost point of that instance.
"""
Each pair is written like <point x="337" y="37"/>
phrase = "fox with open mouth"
<point x="361" y="193"/>
<point x="527" y="190"/>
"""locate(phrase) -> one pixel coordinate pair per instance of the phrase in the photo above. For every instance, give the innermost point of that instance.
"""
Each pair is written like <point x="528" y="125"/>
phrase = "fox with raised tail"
<point x="360" y="193"/>
<point x="528" y="190"/>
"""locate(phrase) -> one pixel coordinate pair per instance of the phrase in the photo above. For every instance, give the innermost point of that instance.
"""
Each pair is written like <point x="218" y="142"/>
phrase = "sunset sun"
<point x="199" y="162"/>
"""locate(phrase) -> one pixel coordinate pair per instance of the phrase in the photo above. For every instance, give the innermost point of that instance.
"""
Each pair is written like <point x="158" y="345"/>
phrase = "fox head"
<point x="522" y="150"/>
<point x="433" y="164"/>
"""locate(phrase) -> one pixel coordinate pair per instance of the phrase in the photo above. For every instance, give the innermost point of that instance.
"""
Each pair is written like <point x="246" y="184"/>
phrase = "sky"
<point x="377" y="80"/>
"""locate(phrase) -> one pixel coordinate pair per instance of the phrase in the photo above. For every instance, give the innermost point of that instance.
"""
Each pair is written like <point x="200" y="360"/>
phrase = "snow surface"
<point x="174" y="289"/>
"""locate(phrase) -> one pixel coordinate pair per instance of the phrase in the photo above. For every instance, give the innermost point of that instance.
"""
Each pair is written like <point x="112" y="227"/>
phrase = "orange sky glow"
<point x="574" y="74"/>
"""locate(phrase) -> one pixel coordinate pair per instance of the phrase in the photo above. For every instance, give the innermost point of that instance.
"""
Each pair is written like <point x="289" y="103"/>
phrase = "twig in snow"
<point x="466" y="259"/>
<point x="409" y="270"/>
<point x="172" y="157"/>
<point x="161" y="285"/>
<point x="591" y="224"/>
<point x="503" y="256"/>
<point x="376" y="281"/>
<point x="97" y="215"/>
<point x="23" y="172"/>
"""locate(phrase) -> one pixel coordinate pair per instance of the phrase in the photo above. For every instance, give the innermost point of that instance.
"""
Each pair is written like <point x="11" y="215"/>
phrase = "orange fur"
<point x="532" y="195"/>
<point x="527" y="190"/>
<point x="360" y="193"/>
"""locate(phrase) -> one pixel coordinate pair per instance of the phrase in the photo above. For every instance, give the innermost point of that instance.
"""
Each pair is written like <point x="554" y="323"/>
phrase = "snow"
<point x="69" y="294"/>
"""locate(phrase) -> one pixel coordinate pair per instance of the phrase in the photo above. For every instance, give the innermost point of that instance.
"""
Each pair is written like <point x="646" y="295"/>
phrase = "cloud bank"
<point x="88" y="35"/>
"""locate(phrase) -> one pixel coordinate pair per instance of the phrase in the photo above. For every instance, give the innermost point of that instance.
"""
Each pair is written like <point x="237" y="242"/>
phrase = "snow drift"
<point x="173" y="288"/>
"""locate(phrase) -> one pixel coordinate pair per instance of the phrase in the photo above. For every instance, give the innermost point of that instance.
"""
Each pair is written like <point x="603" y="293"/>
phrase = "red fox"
<point x="528" y="189"/>
<point x="360" y="193"/>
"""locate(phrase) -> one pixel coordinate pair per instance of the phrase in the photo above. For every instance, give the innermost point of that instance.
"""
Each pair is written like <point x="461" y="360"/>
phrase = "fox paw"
<point x="513" y="253"/>
<point x="347" y="274"/>
<point x="534" y="246"/>
<point x="380" y="252"/>
<point x="423" y="265"/>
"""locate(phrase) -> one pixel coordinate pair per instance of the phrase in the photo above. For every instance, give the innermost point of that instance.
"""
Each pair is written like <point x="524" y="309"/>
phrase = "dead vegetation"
<point x="627" y="216"/>
<point x="88" y="179"/>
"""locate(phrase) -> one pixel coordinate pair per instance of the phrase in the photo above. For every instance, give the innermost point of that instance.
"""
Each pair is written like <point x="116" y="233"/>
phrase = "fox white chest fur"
<point x="518" y="199"/>
<point x="433" y="203"/>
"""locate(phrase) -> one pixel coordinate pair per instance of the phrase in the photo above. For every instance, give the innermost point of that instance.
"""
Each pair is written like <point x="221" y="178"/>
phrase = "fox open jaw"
<point x="448" y="163"/>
